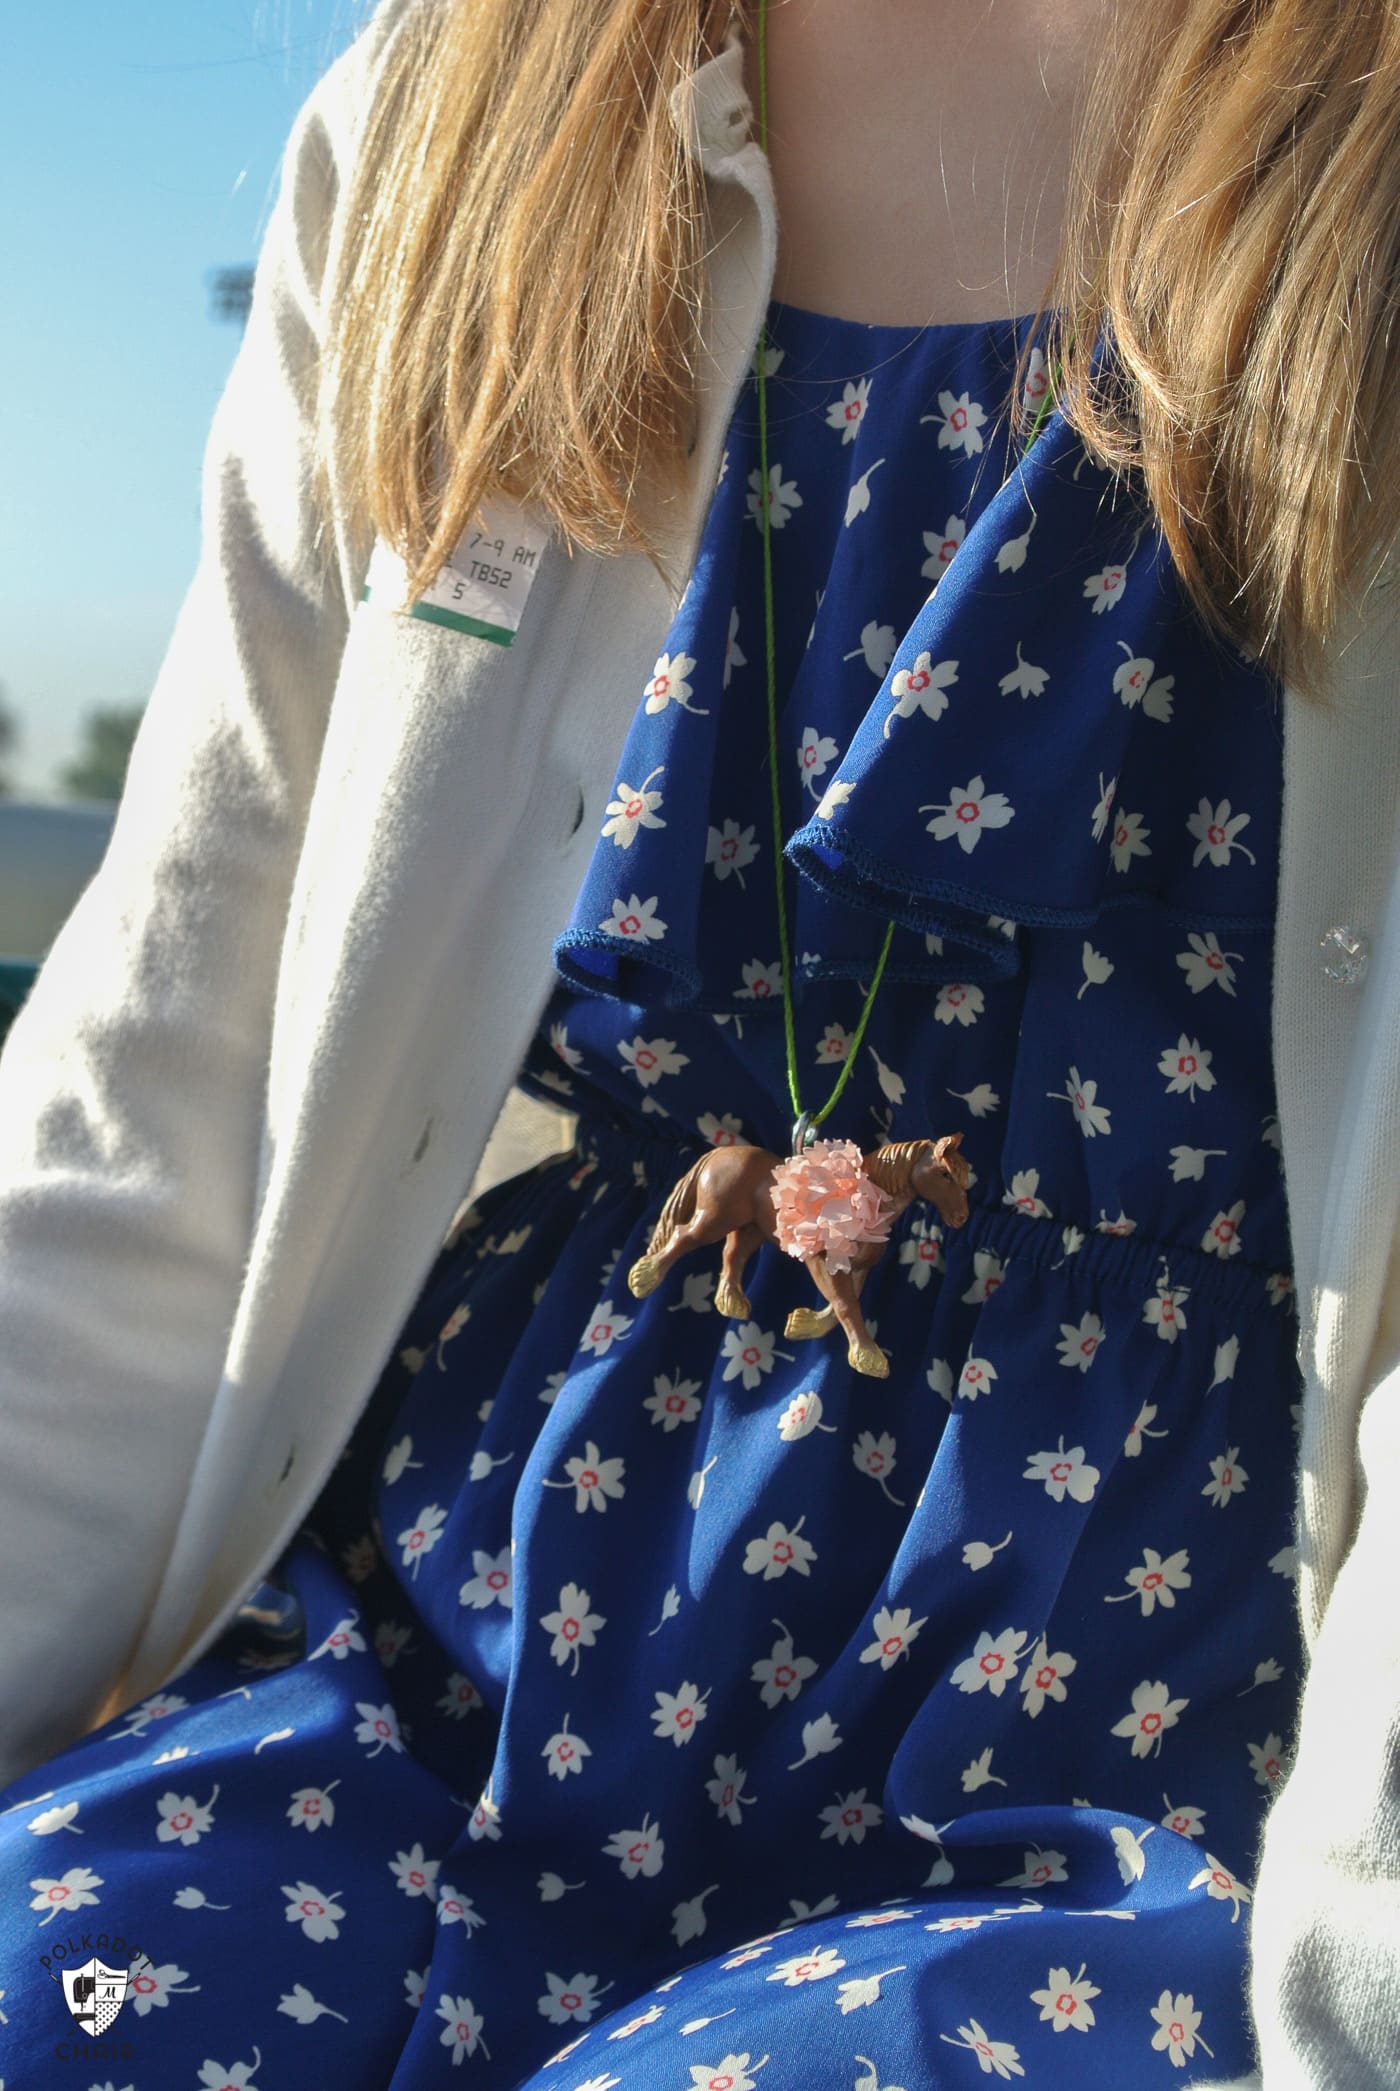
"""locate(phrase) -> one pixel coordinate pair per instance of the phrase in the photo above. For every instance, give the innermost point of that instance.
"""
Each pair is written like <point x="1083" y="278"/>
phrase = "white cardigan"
<point x="260" y="1064"/>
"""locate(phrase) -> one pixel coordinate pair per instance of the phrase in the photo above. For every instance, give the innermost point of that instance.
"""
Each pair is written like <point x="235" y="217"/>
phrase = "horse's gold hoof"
<point x="869" y="1359"/>
<point x="731" y="1301"/>
<point x="807" y="1321"/>
<point x="644" y="1277"/>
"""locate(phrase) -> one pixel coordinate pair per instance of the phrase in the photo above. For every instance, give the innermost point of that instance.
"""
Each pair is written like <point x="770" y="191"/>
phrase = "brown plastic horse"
<point x="727" y="1194"/>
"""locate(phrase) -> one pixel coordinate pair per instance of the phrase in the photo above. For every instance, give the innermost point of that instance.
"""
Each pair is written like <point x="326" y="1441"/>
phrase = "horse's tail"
<point x="678" y="1209"/>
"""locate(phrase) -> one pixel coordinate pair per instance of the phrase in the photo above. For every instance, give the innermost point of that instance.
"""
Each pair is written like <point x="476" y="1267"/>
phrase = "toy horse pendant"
<point x="830" y="1205"/>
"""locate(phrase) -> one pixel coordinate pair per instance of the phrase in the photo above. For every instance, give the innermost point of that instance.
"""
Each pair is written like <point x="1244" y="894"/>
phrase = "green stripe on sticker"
<point x="474" y="627"/>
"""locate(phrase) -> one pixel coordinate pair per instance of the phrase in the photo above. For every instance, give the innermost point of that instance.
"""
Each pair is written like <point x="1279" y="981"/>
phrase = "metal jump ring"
<point x="802" y="1132"/>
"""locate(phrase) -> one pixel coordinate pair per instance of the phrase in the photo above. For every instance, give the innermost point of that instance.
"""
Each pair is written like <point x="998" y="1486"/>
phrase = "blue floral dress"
<point x="650" y="1701"/>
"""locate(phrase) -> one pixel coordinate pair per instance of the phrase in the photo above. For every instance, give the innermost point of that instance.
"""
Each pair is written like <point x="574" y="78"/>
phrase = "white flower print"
<point x="594" y="1480"/>
<point x="238" y="2076"/>
<point x="1186" y="1068"/>
<point x="968" y="810"/>
<point x="801" y="1417"/>
<point x="1011" y="556"/>
<point x="573" y="1626"/>
<point x="422" y="1535"/>
<point x="876" y="1457"/>
<point x="1105" y="588"/>
<point x="573" y="2002"/>
<point x="1222" y="1237"/>
<point x="312" y="1806"/>
<point x="1089" y="1116"/>
<point x="605" y="1327"/>
<point x="673" y="1402"/>
<point x="847" y="412"/>
<point x="633" y="808"/>
<point x="462" y="2031"/>
<point x="635" y="918"/>
<point x="398" y="1459"/>
<point x="1063" y="1473"/>
<point x="727" y="1131"/>
<point x="940" y="1379"/>
<point x="729" y="2074"/>
<point x="1025" y="678"/>
<point x="391" y="1639"/>
<point x="855" y="1995"/>
<point x="317" y="1913"/>
<point x="1133" y="682"/>
<point x="183" y="1819"/>
<point x="485" y="1820"/>
<point x="819" y="1739"/>
<point x="1177" y="2032"/>
<point x="299" y="2004"/>
<point x="453" y="1907"/>
<point x="1188" y="1164"/>
<point x="1129" y="840"/>
<point x="1097" y="969"/>
<point x="1039" y="1868"/>
<point x="921" y="1252"/>
<point x="891" y="1083"/>
<point x="152" y="1987"/>
<point x="414" y="1873"/>
<point x="1215" y="830"/>
<point x="975" y="1378"/>
<point x="942" y="550"/>
<point x="676" y="1714"/>
<point x="1036" y="387"/>
<point x="993" y="1663"/>
<point x="835" y="1044"/>
<point x="782" y="497"/>
<point x="1154" y="1711"/>
<point x="668" y="685"/>
<point x="460" y="1698"/>
<point x="637" y="1851"/>
<point x="778" y="1551"/>
<point x="749" y="1353"/>
<point x="1266" y="1760"/>
<point x="1079" y="1342"/>
<point x="922" y="688"/>
<point x="1132" y="1860"/>
<point x="651" y="1058"/>
<point x="490" y="1583"/>
<point x="781" y="1675"/>
<point x="559" y="1044"/>
<point x="71" y="1890"/>
<point x="564" y="1753"/>
<point x="894" y="1633"/>
<point x="858" y="495"/>
<point x="1024" y="1194"/>
<point x="974" y="1777"/>
<point x="1278" y="1286"/>
<point x="632" y="2026"/>
<point x="814" y="756"/>
<point x="1206" y="962"/>
<point x="1164" y="1311"/>
<point x="958" y="1003"/>
<point x="978" y="1554"/>
<point x="1227" y="1478"/>
<point x="1187" y="1822"/>
<point x="1064" y="2001"/>
<point x="761" y="980"/>
<point x="807" y="1967"/>
<point x="1103" y="806"/>
<point x="1221" y="1885"/>
<point x="726" y="1790"/>
<point x="962" y="422"/>
<point x="876" y="649"/>
<point x="848" y="1818"/>
<point x="1267" y="1672"/>
<point x="994" y="2057"/>
<point x="734" y="656"/>
<point x="1044" y="1677"/>
<point x="1154" y="1580"/>
<point x="836" y="794"/>
<point x="378" y="1727"/>
<point x="730" y="848"/>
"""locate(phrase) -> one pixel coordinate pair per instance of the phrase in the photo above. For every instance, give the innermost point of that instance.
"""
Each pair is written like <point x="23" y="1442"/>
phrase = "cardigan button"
<point x="1346" y="954"/>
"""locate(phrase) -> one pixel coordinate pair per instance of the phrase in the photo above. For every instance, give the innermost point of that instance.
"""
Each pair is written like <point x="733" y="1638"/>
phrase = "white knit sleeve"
<point x="132" y="1082"/>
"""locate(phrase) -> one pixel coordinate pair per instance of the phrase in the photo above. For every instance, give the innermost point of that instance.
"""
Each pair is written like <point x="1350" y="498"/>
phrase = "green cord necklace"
<point x="805" y="1122"/>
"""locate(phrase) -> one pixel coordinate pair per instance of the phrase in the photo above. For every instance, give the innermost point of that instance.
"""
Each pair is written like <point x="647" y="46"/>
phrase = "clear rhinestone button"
<point x="1346" y="954"/>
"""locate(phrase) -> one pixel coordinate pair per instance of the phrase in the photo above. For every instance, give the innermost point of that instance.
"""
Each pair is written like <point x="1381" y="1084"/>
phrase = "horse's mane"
<point x="893" y="1167"/>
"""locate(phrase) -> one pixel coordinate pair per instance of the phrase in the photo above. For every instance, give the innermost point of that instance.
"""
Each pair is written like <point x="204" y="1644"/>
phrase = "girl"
<point x="732" y="681"/>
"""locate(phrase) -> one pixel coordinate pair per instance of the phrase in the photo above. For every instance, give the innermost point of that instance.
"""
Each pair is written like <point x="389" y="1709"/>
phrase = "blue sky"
<point x="140" y="149"/>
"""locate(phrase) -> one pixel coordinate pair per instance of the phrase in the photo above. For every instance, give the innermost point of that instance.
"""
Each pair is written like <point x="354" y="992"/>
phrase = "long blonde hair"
<point x="520" y="309"/>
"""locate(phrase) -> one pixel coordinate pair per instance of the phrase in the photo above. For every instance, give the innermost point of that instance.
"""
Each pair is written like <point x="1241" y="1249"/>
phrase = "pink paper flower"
<point x="825" y="1204"/>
